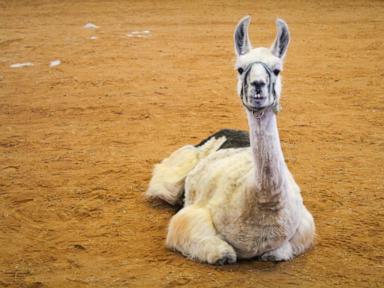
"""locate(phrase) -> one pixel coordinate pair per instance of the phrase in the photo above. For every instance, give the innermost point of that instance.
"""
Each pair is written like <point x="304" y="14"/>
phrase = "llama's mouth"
<point x="257" y="102"/>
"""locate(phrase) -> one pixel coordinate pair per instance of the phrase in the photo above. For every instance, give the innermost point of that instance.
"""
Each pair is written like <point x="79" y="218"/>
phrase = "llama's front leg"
<point x="191" y="232"/>
<point x="301" y="241"/>
<point x="283" y="253"/>
<point x="305" y="234"/>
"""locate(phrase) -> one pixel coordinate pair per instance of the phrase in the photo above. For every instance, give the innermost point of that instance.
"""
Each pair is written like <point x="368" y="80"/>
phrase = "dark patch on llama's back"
<point x="235" y="138"/>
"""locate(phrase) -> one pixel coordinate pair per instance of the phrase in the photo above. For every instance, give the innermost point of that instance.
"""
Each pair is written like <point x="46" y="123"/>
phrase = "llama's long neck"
<point x="270" y="168"/>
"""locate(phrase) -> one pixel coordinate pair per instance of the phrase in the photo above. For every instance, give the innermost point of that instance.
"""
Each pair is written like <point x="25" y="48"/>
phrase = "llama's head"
<point x="259" y="83"/>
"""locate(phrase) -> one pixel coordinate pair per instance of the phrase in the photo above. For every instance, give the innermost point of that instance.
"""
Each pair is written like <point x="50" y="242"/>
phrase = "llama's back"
<point x="168" y="178"/>
<point x="234" y="138"/>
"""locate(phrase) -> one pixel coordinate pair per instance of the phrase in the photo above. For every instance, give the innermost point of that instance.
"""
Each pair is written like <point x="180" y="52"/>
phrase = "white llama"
<point x="240" y="202"/>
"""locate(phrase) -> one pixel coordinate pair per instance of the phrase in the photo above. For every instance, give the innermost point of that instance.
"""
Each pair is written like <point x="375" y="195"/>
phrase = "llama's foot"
<point x="220" y="252"/>
<point x="305" y="234"/>
<point x="283" y="253"/>
<point x="192" y="233"/>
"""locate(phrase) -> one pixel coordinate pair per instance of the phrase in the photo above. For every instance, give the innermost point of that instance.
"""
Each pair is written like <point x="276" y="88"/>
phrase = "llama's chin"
<point x="257" y="103"/>
<point x="257" y="106"/>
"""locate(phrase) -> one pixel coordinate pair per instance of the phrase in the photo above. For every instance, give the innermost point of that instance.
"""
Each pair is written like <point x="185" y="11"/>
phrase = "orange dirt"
<point x="78" y="141"/>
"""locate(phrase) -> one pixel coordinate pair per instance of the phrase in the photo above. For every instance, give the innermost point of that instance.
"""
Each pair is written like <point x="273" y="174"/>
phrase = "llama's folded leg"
<point x="305" y="234"/>
<point x="283" y="253"/>
<point x="168" y="177"/>
<point x="192" y="233"/>
<point x="299" y="243"/>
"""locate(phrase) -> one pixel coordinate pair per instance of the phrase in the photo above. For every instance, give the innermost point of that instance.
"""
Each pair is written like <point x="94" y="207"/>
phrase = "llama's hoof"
<point x="228" y="259"/>
<point x="282" y="253"/>
<point x="223" y="255"/>
<point x="271" y="258"/>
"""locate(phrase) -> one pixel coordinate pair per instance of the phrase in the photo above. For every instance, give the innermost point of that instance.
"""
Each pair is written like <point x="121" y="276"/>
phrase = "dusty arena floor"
<point x="78" y="141"/>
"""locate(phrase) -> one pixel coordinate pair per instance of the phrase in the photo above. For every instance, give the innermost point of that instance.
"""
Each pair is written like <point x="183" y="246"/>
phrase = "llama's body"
<point x="239" y="202"/>
<point x="249" y="224"/>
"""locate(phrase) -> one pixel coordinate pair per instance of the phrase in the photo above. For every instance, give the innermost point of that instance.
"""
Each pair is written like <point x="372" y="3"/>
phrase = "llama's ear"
<point x="242" y="43"/>
<point x="280" y="46"/>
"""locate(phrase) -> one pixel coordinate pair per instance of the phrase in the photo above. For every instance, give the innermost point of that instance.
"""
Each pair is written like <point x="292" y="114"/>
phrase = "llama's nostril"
<point x="257" y="93"/>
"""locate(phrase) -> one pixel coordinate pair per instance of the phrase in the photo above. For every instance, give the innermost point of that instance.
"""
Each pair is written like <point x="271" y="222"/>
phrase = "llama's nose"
<point x="258" y="85"/>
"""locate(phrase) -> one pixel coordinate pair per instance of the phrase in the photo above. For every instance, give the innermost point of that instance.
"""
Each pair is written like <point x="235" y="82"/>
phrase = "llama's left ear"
<point x="280" y="46"/>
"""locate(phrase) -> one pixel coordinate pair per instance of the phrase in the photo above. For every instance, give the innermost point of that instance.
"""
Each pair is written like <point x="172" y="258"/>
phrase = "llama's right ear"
<point x="242" y="43"/>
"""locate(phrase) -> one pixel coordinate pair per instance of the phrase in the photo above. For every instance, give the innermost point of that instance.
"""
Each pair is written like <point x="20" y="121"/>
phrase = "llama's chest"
<point x="253" y="232"/>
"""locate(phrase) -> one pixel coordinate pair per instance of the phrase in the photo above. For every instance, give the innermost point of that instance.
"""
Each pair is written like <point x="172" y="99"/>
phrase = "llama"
<point x="241" y="201"/>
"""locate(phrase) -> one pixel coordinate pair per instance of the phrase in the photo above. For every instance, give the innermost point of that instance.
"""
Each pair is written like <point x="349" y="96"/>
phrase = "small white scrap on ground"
<point x="54" y="63"/>
<point x="139" y="34"/>
<point x="93" y="37"/>
<point x="20" y="65"/>
<point x="90" y="26"/>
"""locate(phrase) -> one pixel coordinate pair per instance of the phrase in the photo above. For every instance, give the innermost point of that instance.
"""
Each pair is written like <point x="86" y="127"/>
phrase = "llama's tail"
<point x="168" y="177"/>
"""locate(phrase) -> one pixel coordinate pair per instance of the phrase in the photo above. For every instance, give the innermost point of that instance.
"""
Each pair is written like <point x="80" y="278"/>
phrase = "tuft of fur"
<point x="167" y="182"/>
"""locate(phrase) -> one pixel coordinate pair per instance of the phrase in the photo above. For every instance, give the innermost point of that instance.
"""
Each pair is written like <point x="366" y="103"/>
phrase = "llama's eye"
<point x="240" y="70"/>
<point x="276" y="72"/>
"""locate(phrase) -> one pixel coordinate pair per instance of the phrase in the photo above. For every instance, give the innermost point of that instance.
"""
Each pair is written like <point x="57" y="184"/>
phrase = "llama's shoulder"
<point x="224" y="168"/>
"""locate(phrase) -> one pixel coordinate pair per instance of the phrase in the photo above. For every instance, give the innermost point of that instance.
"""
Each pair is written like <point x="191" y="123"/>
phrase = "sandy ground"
<point x="78" y="141"/>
